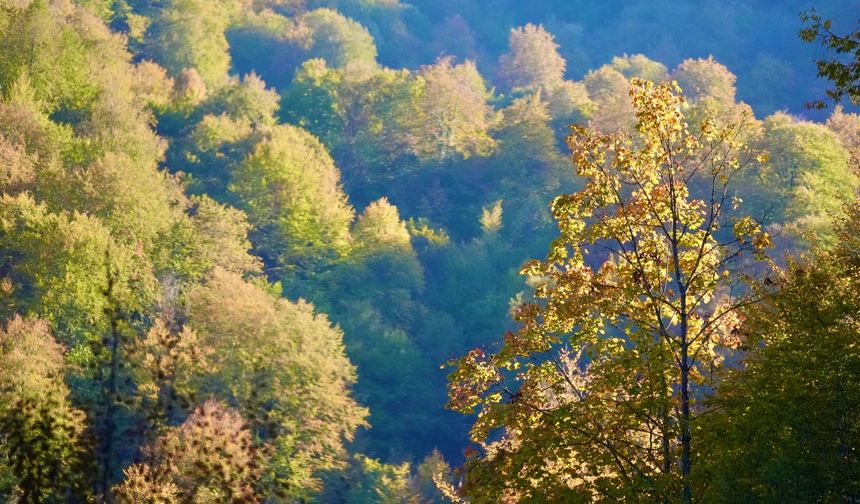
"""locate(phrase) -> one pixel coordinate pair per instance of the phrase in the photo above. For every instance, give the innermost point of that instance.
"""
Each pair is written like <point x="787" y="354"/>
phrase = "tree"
<point x="372" y="123"/>
<point x="73" y="68"/>
<point x="786" y="419"/>
<point x="807" y="180"/>
<point x="55" y="264"/>
<point x="454" y="108"/>
<point x="847" y="128"/>
<point x="43" y="433"/>
<point x="169" y="360"/>
<point x="532" y="61"/>
<point x="455" y="37"/>
<point x="190" y="34"/>
<point x="526" y="143"/>
<point x="569" y="103"/>
<point x="370" y="481"/>
<point x="379" y="228"/>
<point x="491" y="218"/>
<point x="843" y="70"/>
<point x="639" y="65"/>
<point x="609" y="92"/>
<point x="269" y="44"/>
<point x="710" y="87"/>
<point x="283" y="367"/>
<point x="246" y="100"/>
<point x="68" y="270"/>
<point x="314" y="101"/>
<point x="340" y="41"/>
<point x="596" y="392"/>
<point x="209" y="458"/>
<point x="291" y="190"/>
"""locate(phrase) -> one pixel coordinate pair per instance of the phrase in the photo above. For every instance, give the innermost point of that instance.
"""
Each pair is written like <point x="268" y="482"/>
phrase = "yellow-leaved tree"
<point x="594" y="398"/>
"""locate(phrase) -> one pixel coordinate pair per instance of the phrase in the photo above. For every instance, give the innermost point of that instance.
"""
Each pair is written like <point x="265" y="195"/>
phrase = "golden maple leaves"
<point x="638" y="288"/>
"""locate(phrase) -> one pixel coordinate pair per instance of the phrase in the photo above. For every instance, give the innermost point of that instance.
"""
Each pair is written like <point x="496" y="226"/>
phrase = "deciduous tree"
<point x="595" y="394"/>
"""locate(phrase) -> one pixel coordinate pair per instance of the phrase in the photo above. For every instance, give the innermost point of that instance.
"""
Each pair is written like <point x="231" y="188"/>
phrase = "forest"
<point x="429" y="251"/>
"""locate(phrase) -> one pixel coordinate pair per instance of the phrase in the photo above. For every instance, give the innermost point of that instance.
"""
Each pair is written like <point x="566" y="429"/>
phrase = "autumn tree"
<point x="210" y="457"/>
<point x="596" y="393"/>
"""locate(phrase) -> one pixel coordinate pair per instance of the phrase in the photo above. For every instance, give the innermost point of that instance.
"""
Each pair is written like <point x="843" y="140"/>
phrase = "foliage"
<point x="188" y="34"/>
<point x="595" y="392"/>
<point x="808" y="178"/>
<point x="150" y="192"/>
<point x="284" y="369"/>
<point x="640" y="66"/>
<point x="608" y="89"/>
<point x="456" y="114"/>
<point x="491" y="218"/>
<point x="532" y="61"/>
<point x="209" y="458"/>
<point x="291" y="190"/>
<point x="842" y="71"/>
<point x="43" y="433"/>
<point x="792" y="441"/>
<point x="379" y="228"/>
<point x="338" y="40"/>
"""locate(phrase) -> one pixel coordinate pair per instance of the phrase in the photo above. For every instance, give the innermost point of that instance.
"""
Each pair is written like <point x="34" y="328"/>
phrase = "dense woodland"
<point x="379" y="251"/>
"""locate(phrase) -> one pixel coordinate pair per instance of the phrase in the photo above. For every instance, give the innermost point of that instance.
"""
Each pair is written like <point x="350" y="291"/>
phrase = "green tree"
<point x="65" y="62"/>
<point x="847" y="128"/>
<point x="379" y="228"/>
<point x="291" y="190"/>
<point x="532" y="61"/>
<point x="842" y="70"/>
<point x="190" y="34"/>
<point x="454" y="112"/>
<point x="706" y="78"/>
<point x="597" y="390"/>
<point x="609" y="91"/>
<point x="338" y="40"/>
<point x="55" y="265"/>
<point x="92" y="290"/>
<point x="313" y="101"/>
<point x="569" y="103"/>
<point x="372" y="123"/>
<point x="283" y="367"/>
<point x="43" y="433"/>
<point x="807" y="180"/>
<point x="639" y="65"/>
<point x="370" y="481"/>
<point x="786" y="420"/>
<point x="710" y="87"/>
<point x="527" y="144"/>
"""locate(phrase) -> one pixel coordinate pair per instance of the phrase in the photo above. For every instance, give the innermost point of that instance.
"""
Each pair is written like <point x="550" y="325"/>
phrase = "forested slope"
<point x="241" y="241"/>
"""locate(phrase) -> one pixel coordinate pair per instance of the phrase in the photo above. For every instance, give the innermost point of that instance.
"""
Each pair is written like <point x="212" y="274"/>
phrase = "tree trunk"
<point x="687" y="497"/>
